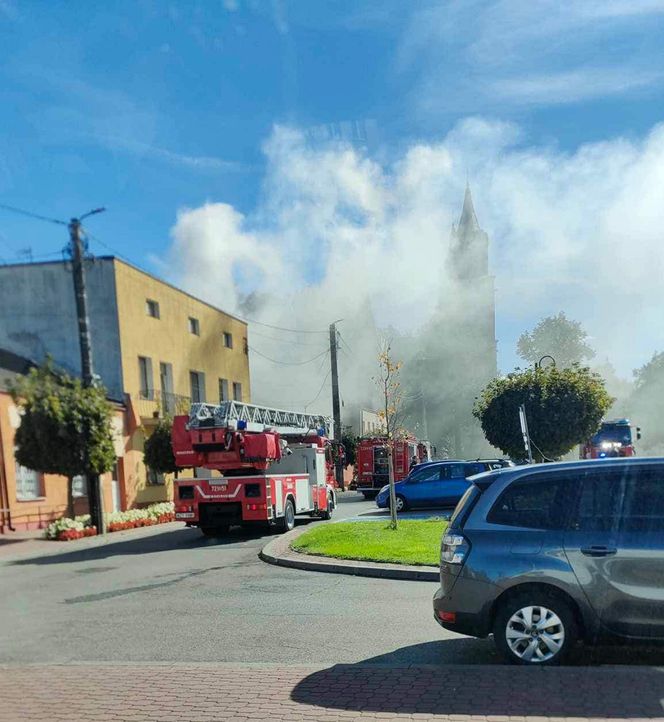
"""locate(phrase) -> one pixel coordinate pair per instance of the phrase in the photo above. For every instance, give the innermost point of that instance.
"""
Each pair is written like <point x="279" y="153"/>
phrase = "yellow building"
<point x="155" y="348"/>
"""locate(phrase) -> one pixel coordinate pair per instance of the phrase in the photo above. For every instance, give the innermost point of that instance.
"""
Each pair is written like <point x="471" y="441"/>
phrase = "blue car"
<point x="439" y="483"/>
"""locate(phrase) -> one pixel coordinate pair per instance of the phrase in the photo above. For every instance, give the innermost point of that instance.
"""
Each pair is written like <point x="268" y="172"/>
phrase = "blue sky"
<point x="150" y="107"/>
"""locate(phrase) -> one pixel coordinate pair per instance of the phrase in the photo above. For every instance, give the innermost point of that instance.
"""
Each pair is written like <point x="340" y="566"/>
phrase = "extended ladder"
<point x="256" y="418"/>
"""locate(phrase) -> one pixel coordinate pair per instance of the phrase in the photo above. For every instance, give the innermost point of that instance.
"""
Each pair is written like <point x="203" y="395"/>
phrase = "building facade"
<point x="155" y="348"/>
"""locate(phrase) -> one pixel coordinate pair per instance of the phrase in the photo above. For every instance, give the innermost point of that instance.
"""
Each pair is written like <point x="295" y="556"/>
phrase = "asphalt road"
<point x="172" y="595"/>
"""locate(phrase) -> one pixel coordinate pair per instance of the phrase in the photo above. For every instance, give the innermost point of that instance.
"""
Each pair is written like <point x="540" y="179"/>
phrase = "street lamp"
<point x="538" y="365"/>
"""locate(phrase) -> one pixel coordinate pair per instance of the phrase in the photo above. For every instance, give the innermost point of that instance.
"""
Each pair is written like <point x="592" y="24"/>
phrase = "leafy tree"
<point x="65" y="427"/>
<point x="645" y="403"/>
<point x="391" y="414"/>
<point x="555" y="336"/>
<point x="349" y="441"/>
<point x="158" y="450"/>
<point x="564" y="407"/>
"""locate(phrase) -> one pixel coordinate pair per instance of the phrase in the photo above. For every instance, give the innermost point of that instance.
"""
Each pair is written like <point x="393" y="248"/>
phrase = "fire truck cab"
<point x="614" y="439"/>
<point x="272" y="466"/>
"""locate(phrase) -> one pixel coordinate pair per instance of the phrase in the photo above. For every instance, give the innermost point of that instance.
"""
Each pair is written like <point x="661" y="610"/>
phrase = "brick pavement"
<point x="169" y="692"/>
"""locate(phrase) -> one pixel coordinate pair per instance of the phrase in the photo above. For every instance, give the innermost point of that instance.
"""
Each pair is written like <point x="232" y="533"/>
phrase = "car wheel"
<point x="535" y="628"/>
<point x="215" y="531"/>
<point x="287" y="521"/>
<point x="402" y="504"/>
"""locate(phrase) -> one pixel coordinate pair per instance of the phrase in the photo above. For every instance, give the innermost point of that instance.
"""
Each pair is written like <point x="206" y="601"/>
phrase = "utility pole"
<point x="95" y="500"/>
<point x="336" y="406"/>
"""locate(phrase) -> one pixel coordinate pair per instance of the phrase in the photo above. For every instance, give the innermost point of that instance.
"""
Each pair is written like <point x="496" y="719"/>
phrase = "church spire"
<point x="468" y="220"/>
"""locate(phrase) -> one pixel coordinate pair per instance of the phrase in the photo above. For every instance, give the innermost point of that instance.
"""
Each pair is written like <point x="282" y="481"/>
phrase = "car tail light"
<point x="454" y="549"/>
<point x="449" y="617"/>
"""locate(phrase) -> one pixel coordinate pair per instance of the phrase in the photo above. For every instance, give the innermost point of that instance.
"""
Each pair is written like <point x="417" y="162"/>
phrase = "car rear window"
<point x="534" y="503"/>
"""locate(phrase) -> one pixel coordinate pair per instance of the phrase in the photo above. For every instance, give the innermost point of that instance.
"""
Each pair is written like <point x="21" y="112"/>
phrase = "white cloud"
<point x="339" y="234"/>
<point x="472" y="56"/>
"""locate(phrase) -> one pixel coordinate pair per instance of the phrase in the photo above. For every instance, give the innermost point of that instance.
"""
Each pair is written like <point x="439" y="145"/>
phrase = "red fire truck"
<point x="372" y="462"/>
<point x="272" y="463"/>
<point x="614" y="438"/>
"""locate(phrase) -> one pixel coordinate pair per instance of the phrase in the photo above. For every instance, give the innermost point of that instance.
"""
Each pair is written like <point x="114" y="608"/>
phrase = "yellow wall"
<point x="168" y="339"/>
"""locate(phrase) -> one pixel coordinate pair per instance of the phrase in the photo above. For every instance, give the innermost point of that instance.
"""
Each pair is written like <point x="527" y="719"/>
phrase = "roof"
<point x="468" y="220"/>
<point x="135" y="268"/>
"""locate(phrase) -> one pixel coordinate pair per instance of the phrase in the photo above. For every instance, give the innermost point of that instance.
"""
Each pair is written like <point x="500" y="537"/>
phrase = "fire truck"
<point x="614" y="438"/>
<point x="272" y="466"/>
<point x="372" y="461"/>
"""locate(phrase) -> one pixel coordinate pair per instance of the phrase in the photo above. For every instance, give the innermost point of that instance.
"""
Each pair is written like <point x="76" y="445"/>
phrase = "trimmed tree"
<point x="557" y="336"/>
<point x="564" y="408"/>
<point x="61" y="420"/>
<point x="158" y="449"/>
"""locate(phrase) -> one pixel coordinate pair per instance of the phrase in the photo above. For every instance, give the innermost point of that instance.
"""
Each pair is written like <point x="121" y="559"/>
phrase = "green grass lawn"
<point x="414" y="542"/>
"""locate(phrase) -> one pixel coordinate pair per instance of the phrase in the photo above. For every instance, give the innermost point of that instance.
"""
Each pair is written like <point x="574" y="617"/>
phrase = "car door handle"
<point x="598" y="551"/>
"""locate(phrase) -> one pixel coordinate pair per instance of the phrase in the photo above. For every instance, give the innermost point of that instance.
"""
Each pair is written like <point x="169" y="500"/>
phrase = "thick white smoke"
<point x="338" y="234"/>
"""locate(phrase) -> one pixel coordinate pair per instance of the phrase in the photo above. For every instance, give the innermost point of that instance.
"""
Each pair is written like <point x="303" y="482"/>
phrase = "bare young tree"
<point x="391" y="414"/>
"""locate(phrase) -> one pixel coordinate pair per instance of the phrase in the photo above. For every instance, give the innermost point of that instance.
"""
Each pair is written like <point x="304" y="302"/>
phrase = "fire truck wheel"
<point x="327" y="514"/>
<point x="215" y="531"/>
<point x="287" y="521"/>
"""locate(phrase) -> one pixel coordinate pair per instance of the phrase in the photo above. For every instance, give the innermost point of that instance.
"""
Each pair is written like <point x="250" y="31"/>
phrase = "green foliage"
<point x="58" y="415"/>
<point x="350" y="441"/>
<point x="564" y="408"/>
<point x="158" y="450"/>
<point x="555" y="336"/>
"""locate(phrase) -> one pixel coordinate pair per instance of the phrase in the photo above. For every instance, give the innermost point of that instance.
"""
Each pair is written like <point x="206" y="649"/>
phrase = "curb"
<point x="278" y="552"/>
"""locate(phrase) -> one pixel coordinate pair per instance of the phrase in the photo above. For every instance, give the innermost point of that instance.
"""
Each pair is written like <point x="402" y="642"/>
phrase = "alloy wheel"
<point x="535" y="634"/>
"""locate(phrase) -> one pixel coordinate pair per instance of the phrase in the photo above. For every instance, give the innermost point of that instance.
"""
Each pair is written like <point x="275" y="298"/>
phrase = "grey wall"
<point x="38" y="317"/>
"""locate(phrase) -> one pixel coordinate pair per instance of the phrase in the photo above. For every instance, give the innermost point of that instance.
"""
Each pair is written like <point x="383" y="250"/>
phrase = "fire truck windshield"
<point x="613" y="432"/>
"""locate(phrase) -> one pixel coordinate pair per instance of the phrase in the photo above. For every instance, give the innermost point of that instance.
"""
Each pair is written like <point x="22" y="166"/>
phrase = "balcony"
<point x="155" y="405"/>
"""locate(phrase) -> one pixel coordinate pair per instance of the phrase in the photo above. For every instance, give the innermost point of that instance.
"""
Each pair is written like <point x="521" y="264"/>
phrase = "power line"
<point x="279" y="328"/>
<point x="288" y="363"/>
<point x="284" y="340"/>
<point x="313" y="401"/>
<point x="30" y="214"/>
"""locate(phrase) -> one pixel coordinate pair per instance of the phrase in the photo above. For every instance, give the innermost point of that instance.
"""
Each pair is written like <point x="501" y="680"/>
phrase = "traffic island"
<point x="368" y="549"/>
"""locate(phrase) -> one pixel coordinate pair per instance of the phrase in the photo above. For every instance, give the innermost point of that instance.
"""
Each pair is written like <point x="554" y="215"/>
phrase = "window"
<point x="194" y="326"/>
<point x="540" y="503"/>
<point x="475" y="468"/>
<point x="153" y="478"/>
<point x="152" y="308"/>
<point x="599" y="502"/>
<point x="79" y="486"/>
<point x="28" y="483"/>
<point x="237" y="391"/>
<point x="417" y="477"/>
<point x="146" y="388"/>
<point x="453" y="471"/>
<point x="228" y="339"/>
<point x="166" y="387"/>
<point x="643" y="508"/>
<point x="245" y="345"/>
<point x="223" y="390"/>
<point x="197" y="383"/>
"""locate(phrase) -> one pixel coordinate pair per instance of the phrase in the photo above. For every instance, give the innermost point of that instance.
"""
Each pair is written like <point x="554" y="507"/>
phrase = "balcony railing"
<point x="157" y="404"/>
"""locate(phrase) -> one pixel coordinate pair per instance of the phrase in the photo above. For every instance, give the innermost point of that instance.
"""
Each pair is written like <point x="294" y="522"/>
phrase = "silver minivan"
<point x="544" y="556"/>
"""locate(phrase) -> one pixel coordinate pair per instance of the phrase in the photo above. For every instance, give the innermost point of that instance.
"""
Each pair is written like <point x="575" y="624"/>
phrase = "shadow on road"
<point x="168" y="540"/>
<point x="435" y="678"/>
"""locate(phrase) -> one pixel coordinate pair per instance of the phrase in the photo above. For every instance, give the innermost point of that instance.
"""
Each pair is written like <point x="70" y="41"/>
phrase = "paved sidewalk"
<point x="277" y="551"/>
<point x="228" y="693"/>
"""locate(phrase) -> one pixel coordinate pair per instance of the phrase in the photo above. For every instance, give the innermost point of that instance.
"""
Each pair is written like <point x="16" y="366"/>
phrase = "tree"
<point x="391" y="414"/>
<point x="555" y="336"/>
<point x="62" y="420"/>
<point x="645" y="403"/>
<point x="349" y="441"/>
<point x="564" y="407"/>
<point x="158" y="450"/>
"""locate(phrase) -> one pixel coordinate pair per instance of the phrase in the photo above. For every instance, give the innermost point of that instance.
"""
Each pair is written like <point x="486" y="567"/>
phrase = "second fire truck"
<point x="372" y="462"/>
<point x="272" y="466"/>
